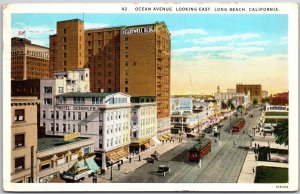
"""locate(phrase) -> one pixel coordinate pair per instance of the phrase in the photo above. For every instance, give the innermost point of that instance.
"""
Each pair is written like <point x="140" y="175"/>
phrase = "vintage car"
<point x="162" y="170"/>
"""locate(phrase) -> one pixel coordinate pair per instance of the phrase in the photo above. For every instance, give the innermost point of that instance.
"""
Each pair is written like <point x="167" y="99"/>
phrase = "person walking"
<point x="95" y="178"/>
<point x="253" y="170"/>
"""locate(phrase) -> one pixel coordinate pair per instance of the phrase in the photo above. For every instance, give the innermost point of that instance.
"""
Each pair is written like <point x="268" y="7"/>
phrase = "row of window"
<point x="63" y="115"/>
<point x="114" y="141"/>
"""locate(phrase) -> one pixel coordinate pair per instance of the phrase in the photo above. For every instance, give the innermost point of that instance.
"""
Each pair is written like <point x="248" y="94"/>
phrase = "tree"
<point x="224" y="105"/>
<point x="282" y="133"/>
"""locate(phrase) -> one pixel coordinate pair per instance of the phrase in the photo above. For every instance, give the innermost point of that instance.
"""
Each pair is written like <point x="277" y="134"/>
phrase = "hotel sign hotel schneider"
<point x="139" y="30"/>
<point x="82" y="108"/>
<point x="71" y="136"/>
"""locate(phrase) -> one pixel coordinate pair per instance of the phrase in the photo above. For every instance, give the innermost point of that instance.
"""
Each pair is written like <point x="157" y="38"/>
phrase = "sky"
<point x="207" y="50"/>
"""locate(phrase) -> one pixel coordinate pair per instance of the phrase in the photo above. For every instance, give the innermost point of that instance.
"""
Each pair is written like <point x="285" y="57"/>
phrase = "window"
<point x="100" y="116"/>
<point x="47" y="101"/>
<point x="64" y="128"/>
<point x="74" y="129"/>
<point x="69" y="127"/>
<point x="65" y="39"/>
<point x="48" y="90"/>
<point x="57" y="127"/>
<point x="126" y="89"/>
<point x="52" y="127"/>
<point x="86" y="150"/>
<point x="65" y="31"/>
<point x="78" y="100"/>
<point x="79" y="128"/>
<point x="73" y="115"/>
<point x="86" y="115"/>
<point x="20" y="115"/>
<point x="65" y="47"/>
<point x="60" y="89"/>
<point x="79" y="115"/>
<point x="86" y="128"/>
<point x="126" y="80"/>
<point x="96" y="100"/>
<point x="19" y="163"/>
<point x="44" y="114"/>
<point x="57" y="115"/>
<point x="126" y="63"/>
<point x="19" y="140"/>
<point x="100" y="144"/>
<point x="100" y="130"/>
<point x="64" y="114"/>
<point x="45" y="165"/>
<point x="126" y="54"/>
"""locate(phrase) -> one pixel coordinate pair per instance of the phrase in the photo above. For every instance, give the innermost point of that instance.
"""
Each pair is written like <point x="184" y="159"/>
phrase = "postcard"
<point x="150" y="97"/>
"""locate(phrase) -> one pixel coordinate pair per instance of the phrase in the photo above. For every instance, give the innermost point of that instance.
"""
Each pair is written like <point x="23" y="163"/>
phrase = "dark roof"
<point x="200" y="145"/>
<point x="85" y="95"/>
<point x="49" y="142"/>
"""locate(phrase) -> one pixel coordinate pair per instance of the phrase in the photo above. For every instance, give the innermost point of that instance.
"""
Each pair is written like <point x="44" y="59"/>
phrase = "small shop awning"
<point x="155" y="140"/>
<point x="161" y="138"/>
<point x="169" y="134"/>
<point x="165" y="136"/>
<point x="117" y="154"/>
<point x="139" y="142"/>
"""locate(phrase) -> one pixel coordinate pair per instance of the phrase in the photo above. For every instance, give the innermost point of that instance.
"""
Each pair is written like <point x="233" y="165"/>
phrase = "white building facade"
<point x="103" y="117"/>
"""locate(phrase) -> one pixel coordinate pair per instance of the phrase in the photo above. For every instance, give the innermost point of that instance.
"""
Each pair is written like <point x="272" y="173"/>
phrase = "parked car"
<point x="208" y="130"/>
<point x="163" y="169"/>
<point x="190" y="135"/>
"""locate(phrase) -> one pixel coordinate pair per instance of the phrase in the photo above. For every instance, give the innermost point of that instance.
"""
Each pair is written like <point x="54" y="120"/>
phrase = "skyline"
<point x="253" y="52"/>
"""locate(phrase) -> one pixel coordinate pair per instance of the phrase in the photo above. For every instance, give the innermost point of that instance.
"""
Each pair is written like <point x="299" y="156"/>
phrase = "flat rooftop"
<point x="49" y="142"/>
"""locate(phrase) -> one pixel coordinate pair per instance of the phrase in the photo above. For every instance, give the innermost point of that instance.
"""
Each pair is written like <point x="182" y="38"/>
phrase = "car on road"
<point x="190" y="135"/>
<point x="267" y="129"/>
<point x="208" y="130"/>
<point x="163" y="169"/>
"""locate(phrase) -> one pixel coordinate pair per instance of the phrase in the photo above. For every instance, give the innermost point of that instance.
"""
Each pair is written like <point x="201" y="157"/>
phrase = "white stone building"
<point x="143" y="123"/>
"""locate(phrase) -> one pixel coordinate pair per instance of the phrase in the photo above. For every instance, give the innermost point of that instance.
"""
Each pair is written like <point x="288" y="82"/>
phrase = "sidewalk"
<point x="128" y="167"/>
<point x="247" y="175"/>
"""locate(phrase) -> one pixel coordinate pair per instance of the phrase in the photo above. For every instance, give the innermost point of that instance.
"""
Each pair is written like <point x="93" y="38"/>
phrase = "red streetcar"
<point x="238" y="125"/>
<point x="199" y="150"/>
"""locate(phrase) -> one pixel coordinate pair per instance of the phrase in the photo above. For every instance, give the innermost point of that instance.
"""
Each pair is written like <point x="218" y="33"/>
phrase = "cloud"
<point x="234" y="37"/>
<point x="283" y="40"/>
<point x="188" y="32"/>
<point x="252" y="43"/>
<point x="94" y="25"/>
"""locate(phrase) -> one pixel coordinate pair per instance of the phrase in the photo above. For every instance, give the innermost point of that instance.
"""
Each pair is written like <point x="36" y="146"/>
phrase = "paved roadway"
<point x="222" y="165"/>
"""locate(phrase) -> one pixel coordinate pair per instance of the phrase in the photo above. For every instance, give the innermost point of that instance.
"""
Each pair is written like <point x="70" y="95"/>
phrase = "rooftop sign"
<point x="139" y="30"/>
<point x="71" y="136"/>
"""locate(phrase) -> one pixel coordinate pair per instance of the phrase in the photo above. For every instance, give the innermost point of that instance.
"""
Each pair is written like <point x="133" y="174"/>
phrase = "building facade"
<point x="23" y="138"/>
<point x="55" y="154"/>
<point x="130" y="59"/>
<point x="103" y="117"/>
<point x="28" y="61"/>
<point x="279" y="99"/>
<point x="68" y="45"/>
<point x="255" y="91"/>
<point x="143" y="123"/>
<point x="264" y="94"/>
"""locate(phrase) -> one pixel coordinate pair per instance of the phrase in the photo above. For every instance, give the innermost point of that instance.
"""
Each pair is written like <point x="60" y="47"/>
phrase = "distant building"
<point x="279" y="99"/>
<point x="23" y="139"/>
<point x="254" y="89"/>
<point x="275" y="114"/>
<point x="264" y="94"/>
<point x="28" y="61"/>
<point x="231" y="90"/>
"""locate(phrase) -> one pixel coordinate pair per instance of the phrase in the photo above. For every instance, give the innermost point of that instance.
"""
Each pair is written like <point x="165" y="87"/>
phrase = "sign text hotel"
<point x="140" y="30"/>
<point x="78" y="108"/>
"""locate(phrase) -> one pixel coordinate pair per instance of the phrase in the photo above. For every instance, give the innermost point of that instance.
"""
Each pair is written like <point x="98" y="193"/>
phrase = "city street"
<point x="222" y="165"/>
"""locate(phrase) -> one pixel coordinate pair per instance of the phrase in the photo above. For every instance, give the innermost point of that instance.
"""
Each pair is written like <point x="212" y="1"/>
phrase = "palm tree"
<point x="282" y="133"/>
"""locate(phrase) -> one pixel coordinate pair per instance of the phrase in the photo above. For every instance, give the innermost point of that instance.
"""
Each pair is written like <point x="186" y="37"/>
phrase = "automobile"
<point x="155" y="156"/>
<point x="208" y="130"/>
<point x="150" y="160"/>
<point x="190" y="135"/>
<point x="163" y="169"/>
<point x="267" y="129"/>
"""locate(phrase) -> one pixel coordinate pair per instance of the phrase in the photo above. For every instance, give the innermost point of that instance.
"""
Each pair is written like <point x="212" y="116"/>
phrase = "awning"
<point x="169" y="134"/>
<point x="117" y="154"/>
<point x="155" y="140"/>
<point x="86" y="163"/>
<point x="139" y="142"/>
<point x="165" y="136"/>
<point x="161" y="138"/>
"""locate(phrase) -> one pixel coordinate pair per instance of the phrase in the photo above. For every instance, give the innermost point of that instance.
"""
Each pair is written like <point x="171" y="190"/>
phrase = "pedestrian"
<point x="95" y="178"/>
<point x="173" y="140"/>
<point x="253" y="170"/>
<point x="119" y="166"/>
<point x="255" y="145"/>
<point x="255" y="157"/>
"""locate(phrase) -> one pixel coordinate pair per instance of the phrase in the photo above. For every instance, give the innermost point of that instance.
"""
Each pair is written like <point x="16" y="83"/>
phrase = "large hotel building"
<point x="131" y="59"/>
<point x="28" y="61"/>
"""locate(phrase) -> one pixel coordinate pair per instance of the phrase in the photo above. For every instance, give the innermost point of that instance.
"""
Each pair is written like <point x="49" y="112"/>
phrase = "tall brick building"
<point x="279" y="99"/>
<point x="130" y="59"/>
<point x="28" y="61"/>
<point x="255" y="90"/>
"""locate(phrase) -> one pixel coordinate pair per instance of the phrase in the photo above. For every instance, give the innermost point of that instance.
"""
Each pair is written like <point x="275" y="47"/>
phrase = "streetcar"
<point x="238" y="125"/>
<point x="199" y="150"/>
